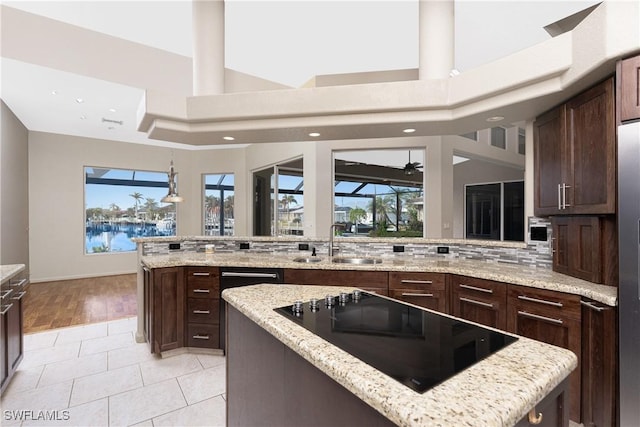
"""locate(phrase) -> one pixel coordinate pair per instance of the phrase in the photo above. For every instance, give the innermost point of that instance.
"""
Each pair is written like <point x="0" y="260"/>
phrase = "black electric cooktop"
<point x="418" y="348"/>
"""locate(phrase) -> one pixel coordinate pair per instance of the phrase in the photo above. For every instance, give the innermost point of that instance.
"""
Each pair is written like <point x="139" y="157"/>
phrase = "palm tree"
<point x="384" y="205"/>
<point x="115" y="209"/>
<point x="137" y="197"/>
<point x="357" y="214"/>
<point x="286" y="201"/>
<point x="151" y="206"/>
<point x="211" y="203"/>
<point x="228" y="206"/>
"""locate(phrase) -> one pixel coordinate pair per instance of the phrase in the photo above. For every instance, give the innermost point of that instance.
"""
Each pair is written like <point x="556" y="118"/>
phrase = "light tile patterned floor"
<point x="97" y="375"/>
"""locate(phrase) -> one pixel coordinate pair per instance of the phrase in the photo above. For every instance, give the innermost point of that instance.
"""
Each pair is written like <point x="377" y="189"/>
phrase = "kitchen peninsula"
<point x="294" y="373"/>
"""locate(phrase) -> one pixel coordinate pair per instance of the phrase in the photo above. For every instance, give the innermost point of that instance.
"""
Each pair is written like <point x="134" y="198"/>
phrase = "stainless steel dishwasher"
<point x="233" y="277"/>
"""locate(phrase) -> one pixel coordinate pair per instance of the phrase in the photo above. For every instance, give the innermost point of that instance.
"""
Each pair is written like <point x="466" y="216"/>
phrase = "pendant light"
<point x="172" y="196"/>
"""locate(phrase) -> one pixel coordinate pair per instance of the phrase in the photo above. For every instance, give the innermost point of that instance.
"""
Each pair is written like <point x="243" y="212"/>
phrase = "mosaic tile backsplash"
<point x="532" y="254"/>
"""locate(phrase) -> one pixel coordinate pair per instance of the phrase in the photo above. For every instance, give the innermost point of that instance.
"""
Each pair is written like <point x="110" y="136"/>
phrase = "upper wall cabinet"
<point x="629" y="88"/>
<point x="575" y="154"/>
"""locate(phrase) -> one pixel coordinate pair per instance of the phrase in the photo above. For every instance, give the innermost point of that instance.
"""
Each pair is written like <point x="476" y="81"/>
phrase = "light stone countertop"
<point x="518" y="275"/>
<point x="9" y="271"/>
<point x="498" y="391"/>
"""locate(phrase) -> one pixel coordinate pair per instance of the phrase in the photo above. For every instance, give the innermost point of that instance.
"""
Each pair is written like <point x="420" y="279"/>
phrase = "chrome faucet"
<point x="332" y="231"/>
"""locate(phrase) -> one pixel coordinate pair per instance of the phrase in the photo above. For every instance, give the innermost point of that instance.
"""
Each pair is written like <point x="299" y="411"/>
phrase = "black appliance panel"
<point x="416" y="347"/>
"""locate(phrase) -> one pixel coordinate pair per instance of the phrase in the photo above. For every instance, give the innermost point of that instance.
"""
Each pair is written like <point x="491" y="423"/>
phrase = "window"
<point x="495" y="211"/>
<point x="218" y="205"/>
<point x="499" y="137"/>
<point x="379" y="193"/>
<point x="521" y="142"/>
<point x="121" y="204"/>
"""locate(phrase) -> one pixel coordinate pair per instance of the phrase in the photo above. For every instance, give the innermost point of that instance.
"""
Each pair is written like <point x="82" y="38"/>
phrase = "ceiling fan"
<point x="412" y="167"/>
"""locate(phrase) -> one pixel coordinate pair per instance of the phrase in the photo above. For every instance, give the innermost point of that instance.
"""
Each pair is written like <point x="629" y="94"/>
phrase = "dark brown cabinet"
<point x="166" y="309"/>
<point x="428" y="290"/>
<point x="11" y="329"/>
<point x="599" y="364"/>
<point x="553" y="318"/>
<point x="203" y="307"/>
<point x="629" y="89"/>
<point x="478" y="300"/>
<point x="575" y="155"/>
<point x="586" y="247"/>
<point x="372" y="281"/>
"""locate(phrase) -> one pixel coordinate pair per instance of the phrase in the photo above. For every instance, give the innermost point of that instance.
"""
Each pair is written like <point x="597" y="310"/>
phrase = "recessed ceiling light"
<point x="228" y="138"/>
<point x="54" y="92"/>
<point x="495" y="119"/>
<point x="113" y="110"/>
<point x="314" y="134"/>
<point x="79" y="100"/>
<point x="83" y="117"/>
<point x="408" y="130"/>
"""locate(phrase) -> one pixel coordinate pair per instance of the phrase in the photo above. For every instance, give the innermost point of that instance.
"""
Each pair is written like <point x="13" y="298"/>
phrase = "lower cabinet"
<point x="203" y="307"/>
<point x="11" y="329"/>
<point x="371" y="281"/>
<point x="599" y="364"/>
<point x="552" y="411"/>
<point x="478" y="300"/>
<point x="553" y="318"/>
<point x="428" y="290"/>
<point x="166" y="309"/>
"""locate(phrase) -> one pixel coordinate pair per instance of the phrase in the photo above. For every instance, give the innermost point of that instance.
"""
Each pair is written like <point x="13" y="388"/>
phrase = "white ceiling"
<point x="284" y="41"/>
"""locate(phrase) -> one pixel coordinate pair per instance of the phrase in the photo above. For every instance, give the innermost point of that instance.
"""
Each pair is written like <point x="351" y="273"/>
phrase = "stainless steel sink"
<point x="356" y="260"/>
<point x="310" y="259"/>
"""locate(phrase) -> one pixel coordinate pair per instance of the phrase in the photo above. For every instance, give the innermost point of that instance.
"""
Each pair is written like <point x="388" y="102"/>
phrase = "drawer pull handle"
<point x="5" y="309"/>
<point x="20" y="295"/>
<point x="201" y="312"/>
<point x="6" y="293"/>
<point x="472" y="301"/>
<point x="475" y="288"/>
<point x="201" y="291"/>
<point x="534" y="418"/>
<point x="538" y="317"/>
<point x="18" y="284"/>
<point x="540" y="301"/>
<point x="419" y="282"/>
<point x="593" y="306"/>
<point x="411" y="294"/>
<point x="201" y="337"/>
<point x="201" y="274"/>
<point x="256" y="275"/>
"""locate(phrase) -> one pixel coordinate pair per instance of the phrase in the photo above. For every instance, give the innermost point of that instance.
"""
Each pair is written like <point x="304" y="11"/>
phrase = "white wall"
<point x="14" y="181"/>
<point x="56" y="197"/>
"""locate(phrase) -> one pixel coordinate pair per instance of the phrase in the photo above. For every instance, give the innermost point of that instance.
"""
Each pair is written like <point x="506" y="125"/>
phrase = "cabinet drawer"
<point x="431" y="299"/>
<point x="201" y="310"/>
<point x="202" y="282"/>
<point x="478" y="300"/>
<point x="203" y="335"/>
<point x="542" y="302"/>
<point x="426" y="281"/>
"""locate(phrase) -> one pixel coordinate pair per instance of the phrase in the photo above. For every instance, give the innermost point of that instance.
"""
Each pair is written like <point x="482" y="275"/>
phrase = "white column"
<point x="438" y="195"/>
<point x="208" y="47"/>
<point x="436" y="38"/>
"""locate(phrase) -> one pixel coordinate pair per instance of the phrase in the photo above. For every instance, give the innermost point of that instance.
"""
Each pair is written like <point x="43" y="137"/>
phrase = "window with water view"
<point x="122" y="204"/>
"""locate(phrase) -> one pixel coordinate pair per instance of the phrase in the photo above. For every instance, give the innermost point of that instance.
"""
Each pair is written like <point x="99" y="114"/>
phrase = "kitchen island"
<point x="520" y="380"/>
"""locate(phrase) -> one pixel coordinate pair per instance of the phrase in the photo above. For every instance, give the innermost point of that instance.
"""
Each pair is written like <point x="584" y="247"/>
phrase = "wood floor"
<point x="58" y="304"/>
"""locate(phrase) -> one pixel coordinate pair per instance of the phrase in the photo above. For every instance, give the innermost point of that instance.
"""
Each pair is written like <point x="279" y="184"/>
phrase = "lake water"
<point x="107" y="239"/>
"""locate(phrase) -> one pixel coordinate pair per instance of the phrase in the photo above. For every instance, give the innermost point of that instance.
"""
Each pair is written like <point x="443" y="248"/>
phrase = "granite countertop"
<point x="9" y="271"/>
<point x="518" y="275"/>
<point x="497" y="391"/>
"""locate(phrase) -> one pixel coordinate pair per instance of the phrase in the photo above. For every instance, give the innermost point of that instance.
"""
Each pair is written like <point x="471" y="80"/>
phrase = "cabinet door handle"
<point x="411" y="294"/>
<point x="201" y="312"/>
<point x="201" y="291"/>
<point x="419" y="282"/>
<point x="5" y="309"/>
<point x="6" y="293"/>
<point x="475" y="288"/>
<point x="593" y="306"/>
<point x="539" y="301"/>
<point x="20" y="295"/>
<point x="201" y="274"/>
<point x="18" y="284"/>
<point x="564" y="196"/>
<point x="538" y="317"/>
<point x="472" y="301"/>
<point x="146" y="269"/>
<point x="201" y="337"/>
<point x="559" y="197"/>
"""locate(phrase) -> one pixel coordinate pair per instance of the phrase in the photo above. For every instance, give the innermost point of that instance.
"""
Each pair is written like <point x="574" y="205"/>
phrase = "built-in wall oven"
<point x="233" y="277"/>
